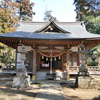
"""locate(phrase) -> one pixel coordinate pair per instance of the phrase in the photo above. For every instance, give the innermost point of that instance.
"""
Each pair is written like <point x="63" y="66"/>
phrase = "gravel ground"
<point x="72" y="93"/>
<point x="9" y="93"/>
<point x="81" y="94"/>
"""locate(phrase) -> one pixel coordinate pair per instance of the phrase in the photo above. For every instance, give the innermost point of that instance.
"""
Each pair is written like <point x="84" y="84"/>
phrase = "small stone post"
<point x="22" y="79"/>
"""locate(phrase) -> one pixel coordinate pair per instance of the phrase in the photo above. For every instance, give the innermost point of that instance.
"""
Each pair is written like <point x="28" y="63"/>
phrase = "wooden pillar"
<point x="51" y="62"/>
<point x="34" y="65"/>
<point x="67" y="66"/>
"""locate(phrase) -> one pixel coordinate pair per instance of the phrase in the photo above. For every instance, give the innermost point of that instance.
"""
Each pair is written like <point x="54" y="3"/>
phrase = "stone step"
<point x="41" y="75"/>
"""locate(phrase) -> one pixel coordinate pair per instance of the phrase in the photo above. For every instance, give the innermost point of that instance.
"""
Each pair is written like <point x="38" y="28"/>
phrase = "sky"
<point x="63" y="10"/>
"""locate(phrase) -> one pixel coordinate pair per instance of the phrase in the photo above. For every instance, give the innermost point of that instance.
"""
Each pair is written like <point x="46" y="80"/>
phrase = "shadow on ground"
<point x="96" y="98"/>
<point x="11" y="92"/>
<point x="6" y="88"/>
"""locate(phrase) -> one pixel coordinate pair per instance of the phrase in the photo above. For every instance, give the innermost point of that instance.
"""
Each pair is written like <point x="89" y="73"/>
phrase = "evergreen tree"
<point x="92" y="24"/>
<point x="8" y="18"/>
<point x="47" y="15"/>
<point x="89" y="12"/>
<point x="9" y="15"/>
<point x="87" y="8"/>
<point x="25" y="9"/>
<point x="7" y="55"/>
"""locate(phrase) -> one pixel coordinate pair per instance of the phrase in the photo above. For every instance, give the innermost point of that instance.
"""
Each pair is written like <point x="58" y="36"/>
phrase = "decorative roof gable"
<point x="51" y="27"/>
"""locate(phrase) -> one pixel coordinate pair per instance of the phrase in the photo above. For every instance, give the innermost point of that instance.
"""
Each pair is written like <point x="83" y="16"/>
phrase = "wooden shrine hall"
<point x="52" y="47"/>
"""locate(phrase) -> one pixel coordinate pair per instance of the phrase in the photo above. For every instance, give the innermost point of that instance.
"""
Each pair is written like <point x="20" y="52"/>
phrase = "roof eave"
<point x="17" y="38"/>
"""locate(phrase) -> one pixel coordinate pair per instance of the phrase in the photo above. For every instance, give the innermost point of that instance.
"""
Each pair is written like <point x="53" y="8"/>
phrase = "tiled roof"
<point x="30" y="26"/>
<point x="31" y="35"/>
<point x="27" y="30"/>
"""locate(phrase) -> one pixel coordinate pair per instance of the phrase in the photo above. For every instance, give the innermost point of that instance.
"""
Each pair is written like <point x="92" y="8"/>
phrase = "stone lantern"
<point x="22" y="79"/>
<point x="83" y="71"/>
<point x="83" y="80"/>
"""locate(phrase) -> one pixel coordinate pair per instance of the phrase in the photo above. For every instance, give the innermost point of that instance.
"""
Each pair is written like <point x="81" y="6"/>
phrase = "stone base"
<point x="83" y="82"/>
<point x="22" y="79"/>
<point x="50" y="76"/>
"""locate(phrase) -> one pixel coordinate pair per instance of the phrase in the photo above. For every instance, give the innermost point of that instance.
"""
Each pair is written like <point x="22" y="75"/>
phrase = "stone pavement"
<point x="50" y="91"/>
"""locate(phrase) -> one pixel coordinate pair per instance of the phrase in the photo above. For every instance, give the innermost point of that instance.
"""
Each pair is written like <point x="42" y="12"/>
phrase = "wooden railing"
<point x="8" y="67"/>
<point x="12" y="67"/>
<point x="72" y="69"/>
<point x="91" y="69"/>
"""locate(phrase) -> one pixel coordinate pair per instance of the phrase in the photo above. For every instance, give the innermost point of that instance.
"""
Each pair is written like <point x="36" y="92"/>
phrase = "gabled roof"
<point x="39" y="30"/>
<point x="51" y="27"/>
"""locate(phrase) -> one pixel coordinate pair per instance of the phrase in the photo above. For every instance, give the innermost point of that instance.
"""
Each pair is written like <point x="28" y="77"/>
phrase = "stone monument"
<point x="22" y="79"/>
<point x="83" y="80"/>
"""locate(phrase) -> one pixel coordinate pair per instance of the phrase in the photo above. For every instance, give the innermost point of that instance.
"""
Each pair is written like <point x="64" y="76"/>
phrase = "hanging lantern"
<point x="55" y="59"/>
<point x="42" y="57"/>
<point x="59" y="57"/>
<point x="46" y="59"/>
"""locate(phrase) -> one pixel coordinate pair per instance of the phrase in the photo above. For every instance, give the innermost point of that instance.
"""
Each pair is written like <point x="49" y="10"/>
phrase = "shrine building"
<point x="52" y="47"/>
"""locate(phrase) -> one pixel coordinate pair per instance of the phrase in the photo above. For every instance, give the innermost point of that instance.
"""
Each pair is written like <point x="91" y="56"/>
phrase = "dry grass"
<point x="9" y="93"/>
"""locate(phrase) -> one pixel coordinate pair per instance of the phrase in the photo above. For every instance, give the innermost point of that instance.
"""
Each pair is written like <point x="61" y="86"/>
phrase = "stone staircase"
<point x="41" y="75"/>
